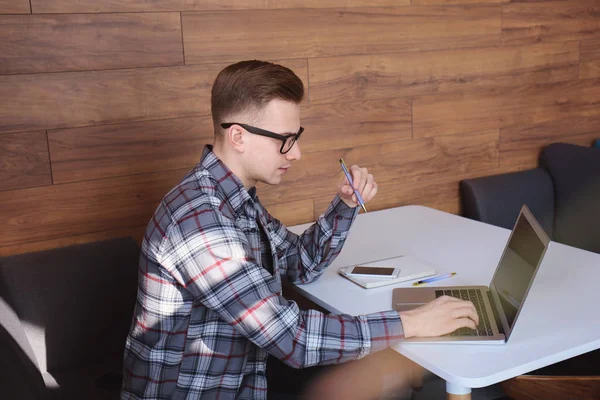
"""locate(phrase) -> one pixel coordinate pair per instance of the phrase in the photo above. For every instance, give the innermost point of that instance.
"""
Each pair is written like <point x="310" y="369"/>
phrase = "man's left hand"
<point x="364" y="184"/>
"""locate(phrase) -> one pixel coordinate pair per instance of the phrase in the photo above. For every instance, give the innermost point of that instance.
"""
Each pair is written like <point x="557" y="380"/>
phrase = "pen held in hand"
<point x="349" y="177"/>
<point x="435" y="278"/>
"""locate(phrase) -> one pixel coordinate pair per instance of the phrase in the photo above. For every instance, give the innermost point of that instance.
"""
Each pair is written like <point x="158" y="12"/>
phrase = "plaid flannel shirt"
<point x="207" y="312"/>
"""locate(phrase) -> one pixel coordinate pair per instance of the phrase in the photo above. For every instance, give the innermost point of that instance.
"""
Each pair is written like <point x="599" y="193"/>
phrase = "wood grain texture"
<point x="80" y="154"/>
<point x="14" y="7"/>
<point x="43" y="43"/>
<point x="210" y="36"/>
<point x="77" y="99"/>
<point x="452" y="2"/>
<point x="91" y="6"/>
<point x="345" y="125"/>
<point x="80" y="208"/>
<point x="589" y="69"/>
<point x="319" y="174"/>
<point x="292" y="212"/>
<point x="136" y="233"/>
<point x="475" y="111"/>
<point x="116" y="150"/>
<point x="550" y="21"/>
<point x="533" y="387"/>
<point x="590" y="59"/>
<point x="520" y="146"/>
<point x="24" y="160"/>
<point x="379" y="76"/>
<point x="441" y="194"/>
<point x="590" y="49"/>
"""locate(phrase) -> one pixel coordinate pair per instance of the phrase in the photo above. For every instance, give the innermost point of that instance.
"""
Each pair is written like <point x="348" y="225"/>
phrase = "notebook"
<point x="410" y="269"/>
<point x="498" y="304"/>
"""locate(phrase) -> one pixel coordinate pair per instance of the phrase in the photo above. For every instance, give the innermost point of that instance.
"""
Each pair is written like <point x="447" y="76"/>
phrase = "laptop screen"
<point x="517" y="267"/>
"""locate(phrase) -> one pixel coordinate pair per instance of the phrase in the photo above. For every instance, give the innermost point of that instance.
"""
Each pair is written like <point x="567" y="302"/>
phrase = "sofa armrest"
<point x="20" y="377"/>
<point x="498" y="199"/>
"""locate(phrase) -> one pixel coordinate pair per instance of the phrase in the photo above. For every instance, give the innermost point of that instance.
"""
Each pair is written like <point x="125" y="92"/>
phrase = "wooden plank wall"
<point x="105" y="104"/>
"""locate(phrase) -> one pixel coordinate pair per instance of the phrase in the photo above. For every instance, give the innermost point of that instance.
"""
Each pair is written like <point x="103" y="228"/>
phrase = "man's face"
<point x="264" y="162"/>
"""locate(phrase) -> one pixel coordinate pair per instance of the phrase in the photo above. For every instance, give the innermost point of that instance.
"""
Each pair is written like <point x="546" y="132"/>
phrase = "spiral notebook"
<point x="410" y="269"/>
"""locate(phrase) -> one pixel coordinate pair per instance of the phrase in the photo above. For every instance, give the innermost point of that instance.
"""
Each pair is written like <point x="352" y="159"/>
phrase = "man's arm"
<point x="215" y="264"/>
<point x="304" y="258"/>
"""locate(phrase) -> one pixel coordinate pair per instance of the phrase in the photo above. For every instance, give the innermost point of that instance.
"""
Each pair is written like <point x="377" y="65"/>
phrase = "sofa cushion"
<point x="498" y="199"/>
<point x="575" y="171"/>
<point x="75" y="302"/>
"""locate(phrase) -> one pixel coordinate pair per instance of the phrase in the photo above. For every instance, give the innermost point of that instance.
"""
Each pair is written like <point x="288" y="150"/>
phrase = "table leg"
<point x="457" y="392"/>
<point x="417" y="373"/>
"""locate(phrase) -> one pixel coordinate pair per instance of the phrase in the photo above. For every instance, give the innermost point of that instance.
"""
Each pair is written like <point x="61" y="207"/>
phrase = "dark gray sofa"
<point x="64" y="315"/>
<point x="563" y="194"/>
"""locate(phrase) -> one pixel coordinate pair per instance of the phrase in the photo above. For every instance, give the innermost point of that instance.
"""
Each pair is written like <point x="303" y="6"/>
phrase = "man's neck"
<point x="232" y="162"/>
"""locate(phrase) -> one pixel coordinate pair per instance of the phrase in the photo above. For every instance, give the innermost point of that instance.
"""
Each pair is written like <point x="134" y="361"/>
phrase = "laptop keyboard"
<point x="474" y="295"/>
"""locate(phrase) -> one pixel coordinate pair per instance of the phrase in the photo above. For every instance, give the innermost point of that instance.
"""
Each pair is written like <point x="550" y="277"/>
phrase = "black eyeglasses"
<point x="288" y="140"/>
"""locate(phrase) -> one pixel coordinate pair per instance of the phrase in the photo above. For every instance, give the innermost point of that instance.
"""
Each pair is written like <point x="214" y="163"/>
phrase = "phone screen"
<point x="381" y="271"/>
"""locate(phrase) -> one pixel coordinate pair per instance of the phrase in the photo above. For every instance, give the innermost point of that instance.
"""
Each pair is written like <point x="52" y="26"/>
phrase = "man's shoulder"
<point x="198" y="195"/>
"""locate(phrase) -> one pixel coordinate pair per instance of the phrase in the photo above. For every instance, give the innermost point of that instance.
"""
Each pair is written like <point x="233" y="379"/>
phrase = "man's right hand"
<point x="440" y="317"/>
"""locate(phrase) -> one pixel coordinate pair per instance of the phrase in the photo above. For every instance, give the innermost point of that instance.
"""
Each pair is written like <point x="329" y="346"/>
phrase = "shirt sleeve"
<point x="211" y="258"/>
<point x="303" y="258"/>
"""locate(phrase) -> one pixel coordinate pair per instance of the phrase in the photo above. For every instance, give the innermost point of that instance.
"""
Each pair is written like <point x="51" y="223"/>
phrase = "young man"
<point x="209" y="308"/>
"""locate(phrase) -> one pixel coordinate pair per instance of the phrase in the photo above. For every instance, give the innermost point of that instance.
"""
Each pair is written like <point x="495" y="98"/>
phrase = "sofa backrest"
<point x="75" y="303"/>
<point x="498" y="199"/>
<point x="575" y="172"/>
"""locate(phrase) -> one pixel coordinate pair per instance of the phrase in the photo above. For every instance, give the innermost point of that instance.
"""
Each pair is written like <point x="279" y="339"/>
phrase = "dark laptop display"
<point x="517" y="267"/>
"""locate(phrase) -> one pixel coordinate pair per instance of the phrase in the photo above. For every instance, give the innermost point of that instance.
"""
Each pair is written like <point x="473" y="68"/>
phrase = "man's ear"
<point x="237" y="138"/>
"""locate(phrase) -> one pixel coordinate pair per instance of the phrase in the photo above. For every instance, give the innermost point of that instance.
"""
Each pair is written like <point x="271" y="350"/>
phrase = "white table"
<point x="559" y="320"/>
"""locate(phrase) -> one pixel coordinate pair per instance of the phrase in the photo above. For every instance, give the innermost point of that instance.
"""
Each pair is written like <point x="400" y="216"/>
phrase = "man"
<point x="209" y="308"/>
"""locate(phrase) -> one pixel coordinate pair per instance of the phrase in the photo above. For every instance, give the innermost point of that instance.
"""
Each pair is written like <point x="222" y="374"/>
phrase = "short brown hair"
<point x="247" y="86"/>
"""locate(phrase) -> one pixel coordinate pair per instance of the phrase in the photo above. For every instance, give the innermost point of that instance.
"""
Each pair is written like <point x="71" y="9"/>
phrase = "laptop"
<point x="499" y="304"/>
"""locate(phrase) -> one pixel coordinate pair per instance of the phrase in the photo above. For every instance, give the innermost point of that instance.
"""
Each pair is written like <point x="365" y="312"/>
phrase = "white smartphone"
<point x="373" y="272"/>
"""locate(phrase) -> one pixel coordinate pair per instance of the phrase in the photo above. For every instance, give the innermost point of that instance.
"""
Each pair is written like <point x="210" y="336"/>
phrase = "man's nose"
<point x="294" y="153"/>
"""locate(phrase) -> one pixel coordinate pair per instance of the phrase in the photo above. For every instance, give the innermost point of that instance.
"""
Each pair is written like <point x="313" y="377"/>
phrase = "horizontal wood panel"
<point x="374" y="76"/>
<point x="442" y="194"/>
<point x="590" y="49"/>
<point x="79" y="6"/>
<point x="469" y="112"/>
<point x="438" y="194"/>
<point x="24" y="160"/>
<point x="43" y="43"/>
<point x="80" y="208"/>
<point x="14" y="7"/>
<point x="136" y="233"/>
<point x="210" y="36"/>
<point x="520" y="146"/>
<point x="550" y="21"/>
<point x="116" y="150"/>
<point x="319" y="174"/>
<point x="589" y="69"/>
<point x="292" y="212"/>
<point x="344" y="125"/>
<point x="77" y="99"/>
<point x="452" y="2"/>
